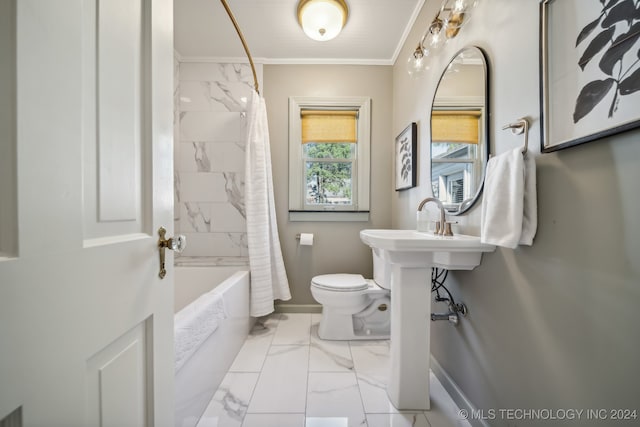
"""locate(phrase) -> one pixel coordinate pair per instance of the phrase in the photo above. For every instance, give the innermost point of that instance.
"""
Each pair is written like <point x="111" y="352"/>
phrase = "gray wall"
<point x="337" y="247"/>
<point x="8" y="207"/>
<point x="554" y="325"/>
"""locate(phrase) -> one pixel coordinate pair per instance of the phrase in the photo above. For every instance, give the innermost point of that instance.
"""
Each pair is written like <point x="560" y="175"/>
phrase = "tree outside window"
<point x="328" y="173"/>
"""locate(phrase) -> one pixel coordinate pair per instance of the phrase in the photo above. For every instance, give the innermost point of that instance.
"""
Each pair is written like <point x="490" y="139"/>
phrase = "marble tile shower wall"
<point x="211" y="100"/>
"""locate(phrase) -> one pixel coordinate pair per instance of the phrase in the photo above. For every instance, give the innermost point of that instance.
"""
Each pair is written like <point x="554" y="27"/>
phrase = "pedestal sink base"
<point x="408" y="387"/>
<point x="412" y="255"/>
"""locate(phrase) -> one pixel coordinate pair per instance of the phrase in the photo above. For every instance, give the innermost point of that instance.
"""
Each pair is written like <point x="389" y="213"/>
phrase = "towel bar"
<point x="518" y="127"/>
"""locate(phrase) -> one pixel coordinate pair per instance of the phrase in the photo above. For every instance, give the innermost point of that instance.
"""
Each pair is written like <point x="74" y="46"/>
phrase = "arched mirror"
<point x="459" y="122"/>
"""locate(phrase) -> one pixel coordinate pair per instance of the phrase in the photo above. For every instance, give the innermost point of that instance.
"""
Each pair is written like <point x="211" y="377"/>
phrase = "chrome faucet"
<point x="443" y="228"/>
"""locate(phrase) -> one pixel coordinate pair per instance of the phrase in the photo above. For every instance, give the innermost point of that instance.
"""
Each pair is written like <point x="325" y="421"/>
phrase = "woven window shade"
<point x="455" y="126"/>
<point x="329" y="126"/>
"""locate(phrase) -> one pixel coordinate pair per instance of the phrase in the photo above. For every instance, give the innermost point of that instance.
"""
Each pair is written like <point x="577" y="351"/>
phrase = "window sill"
<point x="332" y="216"/>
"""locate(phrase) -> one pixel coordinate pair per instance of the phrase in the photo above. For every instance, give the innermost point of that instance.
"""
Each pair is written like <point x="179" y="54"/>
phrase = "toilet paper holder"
<point x="305" y="239"/>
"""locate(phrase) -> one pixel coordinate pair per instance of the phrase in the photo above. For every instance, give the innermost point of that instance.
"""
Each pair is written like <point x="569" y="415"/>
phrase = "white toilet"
<point x="354" y="307"/>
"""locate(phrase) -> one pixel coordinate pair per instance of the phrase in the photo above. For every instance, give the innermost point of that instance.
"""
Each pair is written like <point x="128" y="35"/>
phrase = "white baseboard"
<point x="298" y="308"/>
<point x="456" y="394"/>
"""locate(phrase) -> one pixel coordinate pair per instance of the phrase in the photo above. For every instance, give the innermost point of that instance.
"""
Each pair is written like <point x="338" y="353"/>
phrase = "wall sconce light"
<point x="435" y="35"/>
<point x="322" y="20"/>
<point x="453" y="14"/>
<point x="417" y="62"/>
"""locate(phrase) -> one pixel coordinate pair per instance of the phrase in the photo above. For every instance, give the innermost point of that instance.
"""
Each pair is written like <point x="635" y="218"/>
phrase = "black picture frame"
<point x="589" y="70"/>
<point x="406" y="154"/>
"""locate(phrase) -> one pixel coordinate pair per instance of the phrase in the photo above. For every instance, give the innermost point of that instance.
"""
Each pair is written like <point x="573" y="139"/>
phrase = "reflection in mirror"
<point x="459" y="144"/>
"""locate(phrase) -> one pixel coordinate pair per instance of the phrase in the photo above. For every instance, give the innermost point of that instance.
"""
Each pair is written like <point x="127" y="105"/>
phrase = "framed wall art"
<point x="590" y="70"/>
<point x="406" y="157"/>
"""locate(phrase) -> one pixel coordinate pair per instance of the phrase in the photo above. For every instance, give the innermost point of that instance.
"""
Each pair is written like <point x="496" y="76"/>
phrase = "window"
<point x="455" y="187"/>
<point x="329" y="151"/>
<point x="329" y="173"/>
<point x="455" y="155"/>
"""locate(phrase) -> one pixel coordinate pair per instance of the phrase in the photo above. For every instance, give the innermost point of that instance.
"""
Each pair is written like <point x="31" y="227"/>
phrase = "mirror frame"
<point x="485" y="131"/>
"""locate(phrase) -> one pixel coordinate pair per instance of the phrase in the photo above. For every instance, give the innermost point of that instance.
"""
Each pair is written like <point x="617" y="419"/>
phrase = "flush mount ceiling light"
<point x="322" y="19"/>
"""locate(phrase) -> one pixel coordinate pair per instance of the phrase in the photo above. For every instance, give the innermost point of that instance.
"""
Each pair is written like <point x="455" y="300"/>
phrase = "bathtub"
<point x="199" y="375"/>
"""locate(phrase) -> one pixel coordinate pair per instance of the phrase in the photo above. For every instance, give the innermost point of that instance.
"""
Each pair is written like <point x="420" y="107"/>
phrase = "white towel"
<point x="268" y="276"/>
<point x="509" y="206"/>
<point x="530" y="208"/>
<point x="194" y="323"/>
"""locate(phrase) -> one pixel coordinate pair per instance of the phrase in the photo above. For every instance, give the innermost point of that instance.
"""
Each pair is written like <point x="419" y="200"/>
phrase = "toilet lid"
<point x="340" y="282"/>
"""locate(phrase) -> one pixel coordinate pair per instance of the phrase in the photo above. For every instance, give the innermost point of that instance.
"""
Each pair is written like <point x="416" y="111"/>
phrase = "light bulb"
<point x="456" y="13"/>
<point x="435" y="38"/>
<point x="461" y="5"/>
<point x="458" y="6"/>
<point x="417" y="62"/>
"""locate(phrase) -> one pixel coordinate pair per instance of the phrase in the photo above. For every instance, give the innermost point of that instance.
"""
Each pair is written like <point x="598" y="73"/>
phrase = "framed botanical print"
<point x="590" y="70"/>
<point x="406" y="155"/>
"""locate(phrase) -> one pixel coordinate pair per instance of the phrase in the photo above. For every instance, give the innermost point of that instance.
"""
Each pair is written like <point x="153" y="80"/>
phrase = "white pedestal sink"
<point x="412" y="255"/>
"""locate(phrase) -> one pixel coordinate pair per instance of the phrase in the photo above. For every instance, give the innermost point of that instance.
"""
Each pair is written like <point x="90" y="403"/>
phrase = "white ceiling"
<point x="374" y="33"/>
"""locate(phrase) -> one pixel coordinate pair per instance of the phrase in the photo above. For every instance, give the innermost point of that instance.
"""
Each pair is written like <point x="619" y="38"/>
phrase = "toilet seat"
<point x="340" y="282"/>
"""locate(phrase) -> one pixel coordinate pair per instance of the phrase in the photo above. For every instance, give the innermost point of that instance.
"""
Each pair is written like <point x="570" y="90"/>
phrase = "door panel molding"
<point x="118" y="383"/>
<point x="116" y="123"/>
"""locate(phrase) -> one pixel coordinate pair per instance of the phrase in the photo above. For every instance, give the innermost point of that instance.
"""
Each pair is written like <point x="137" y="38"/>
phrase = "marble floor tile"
<point x="282" y="384"/>
<point x="398" y="420"/>
<point x="274" y="420"/>
<point x="367" y="343"/>
<point x="330" y="422"/>
<point x="373" y="389"/>
<point x="329" y="356"/>
<point x="286" y="376"/>
<point x="254" y="351"/>
<point x="335" y="395"/>
<point x="315" y="318"/>
<point x="266" y="323"/>
<point x="293" y="329"/>
<point x="229" y="404"/>
<point x="371" y="359"/>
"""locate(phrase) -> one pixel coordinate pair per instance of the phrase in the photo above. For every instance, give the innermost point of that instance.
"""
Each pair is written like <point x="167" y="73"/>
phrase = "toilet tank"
<point x="381" y="270"/>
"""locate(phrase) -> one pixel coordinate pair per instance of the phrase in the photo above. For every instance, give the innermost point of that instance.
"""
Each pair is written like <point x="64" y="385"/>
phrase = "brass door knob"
<point x="177" y="244"/>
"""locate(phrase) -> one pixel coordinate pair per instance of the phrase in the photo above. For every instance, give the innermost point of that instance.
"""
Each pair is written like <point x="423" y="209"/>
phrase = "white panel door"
<point x="86" y="324"/>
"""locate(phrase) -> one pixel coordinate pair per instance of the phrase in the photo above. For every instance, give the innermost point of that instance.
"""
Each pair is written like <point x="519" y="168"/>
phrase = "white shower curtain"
<point x="268" y="276"/>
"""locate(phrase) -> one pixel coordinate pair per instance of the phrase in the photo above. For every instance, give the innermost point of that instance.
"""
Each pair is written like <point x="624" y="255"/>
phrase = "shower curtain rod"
<point x="244" y="43"/>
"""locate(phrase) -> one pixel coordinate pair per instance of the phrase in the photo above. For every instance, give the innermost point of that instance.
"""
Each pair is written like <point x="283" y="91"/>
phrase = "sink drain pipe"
<point x="438" y="277"/>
